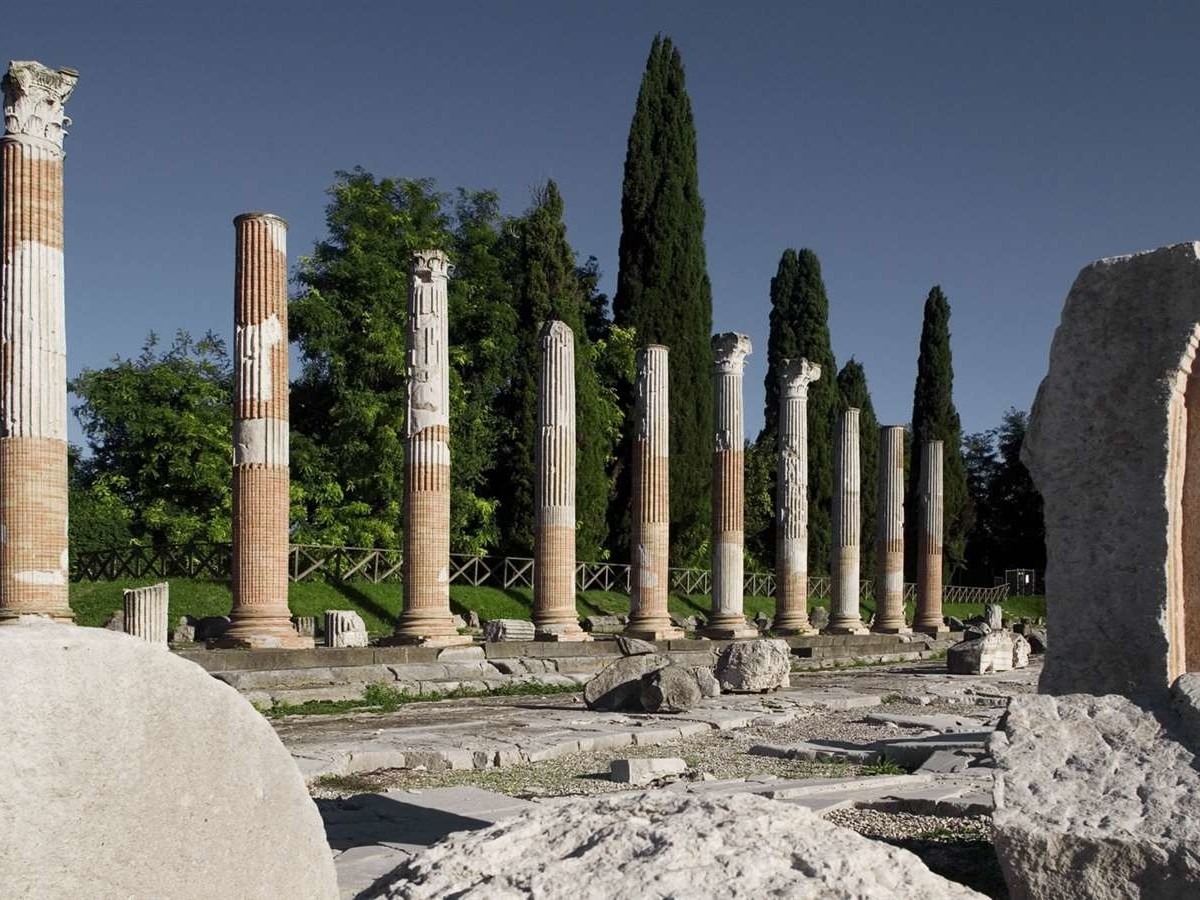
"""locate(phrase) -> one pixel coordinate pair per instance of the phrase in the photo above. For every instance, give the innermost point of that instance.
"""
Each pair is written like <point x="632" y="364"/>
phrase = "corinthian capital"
<point x="730" y="350"/>
<point x="34" y="96"/>
<point x="796" y="376"/>
<point x="429" y="265"/>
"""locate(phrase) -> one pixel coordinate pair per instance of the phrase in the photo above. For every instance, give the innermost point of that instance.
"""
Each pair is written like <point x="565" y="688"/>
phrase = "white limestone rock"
<point x="706" y="681"/>
<point x="664" y="844"/>
<point x="1020" y="657"/>
<point x="991" y="653"/>
<point x="135" y="766"/>
<point x="993" y="614"/>
<point x="644" y="770"/>
<point x="634" y="646"/>
<point x="508" y="630"/>
<point x="1094" y="799"/>
<point x="619" y="684"/>
<point x="671" y="689"/>
<point x="754" y="666"/>
<point x="345" y="628"/>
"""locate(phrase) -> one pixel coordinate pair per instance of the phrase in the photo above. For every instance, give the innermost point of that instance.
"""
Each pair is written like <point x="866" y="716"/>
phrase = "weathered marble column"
<point x="791" y="499"/>
<point x="554" y="612"/>
<point x="728" y="621"/>
<point x="260" y="618"/>
<point x="33" y="346"/>
<point x="844" y="617"/>
<point x="889" y="542"/>
<point x="146" y="612"/>
<point x="426" y="618"/>
<point x="651" y="503"/>
<point x="928" y="618"/>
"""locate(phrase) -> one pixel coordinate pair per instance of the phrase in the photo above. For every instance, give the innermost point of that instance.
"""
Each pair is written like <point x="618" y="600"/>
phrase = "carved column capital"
<point x="730" y="350"/>
<point x="556" y="332"/>
<point x="34" y="97"/>
<point x="430" y="265"/>
<point x="796" y="375"/>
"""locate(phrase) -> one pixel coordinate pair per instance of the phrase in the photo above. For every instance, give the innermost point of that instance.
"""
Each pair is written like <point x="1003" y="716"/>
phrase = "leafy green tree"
<point x="854" y="393"/>
<point x="935" y="418"/>
<point x="800" y="328"/>
<point x="663" y="290"/>
<point x="980" y="462"/>
<point x="547" y="286"/>
<point x="159" y="432"/>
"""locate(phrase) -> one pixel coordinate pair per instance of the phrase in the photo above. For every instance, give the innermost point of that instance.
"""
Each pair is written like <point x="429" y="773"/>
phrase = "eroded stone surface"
<point x="751" y="666"/>
<point x="671" y="689"/>
<point x="991" y="653"/>
<point x="1094" y="799"/>
<point x="619" y="684"/>
<point x="178" y="774"/>
<point x="668" y="845"/>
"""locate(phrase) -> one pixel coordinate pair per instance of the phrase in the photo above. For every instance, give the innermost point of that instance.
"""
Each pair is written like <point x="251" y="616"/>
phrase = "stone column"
<point x="844" y="616"/>
<point x="260" y="618"/>
<point x="426" y="617"/>
<point x="791" y="499"/>
<point x="554" y="612"/>
<point x="651" y="504"/>
<point x="33" y="346"/>
<point x="928" y="618"/>
<point x="146" y="612"/>
<point x="728" y="621"/>
<point x="889" y="542"/>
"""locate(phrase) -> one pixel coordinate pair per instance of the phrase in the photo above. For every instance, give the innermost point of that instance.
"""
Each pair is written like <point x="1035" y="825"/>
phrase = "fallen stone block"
<point x="665" y="844"/>
<point x="1020" y="658"/>
<point x="991" y="653"/>
<point x="645" y="770"/>
<point x="754" y="666"/>
<point x="820" y="751"/>
<point x="602" y="625"/>
<point x="912" y="753"/>
<point x="634" y="646"/>
<point x="671" y="689"/>
<point x="345" y="628"/>
<point x="943" y="724"/>
<point x="619" y="684"/>
<point x="508" y="630"/>
<point x="1094" y="798"/>
<point x="706" y="681"/>
<point x="185" y="631"/>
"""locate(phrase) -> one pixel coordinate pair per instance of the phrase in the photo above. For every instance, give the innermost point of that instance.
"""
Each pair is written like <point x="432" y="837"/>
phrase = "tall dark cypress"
<point x="663" y="289"/>
<point x="546" y="285"/>
<point x="800" y="328"/>
<point x="854" y="393"/>
<point x="935" y="418"/>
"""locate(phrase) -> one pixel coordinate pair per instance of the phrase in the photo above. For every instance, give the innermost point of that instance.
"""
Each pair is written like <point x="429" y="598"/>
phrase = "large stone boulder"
<point x="133" y="773"/>
<point x="1095" y="799"/>
<point x="619" y="684"/>
<point x="748" y="667"/>
<point x="991" y="653"/>
<point x="668" y="845"/>
<point x="671" y="689"/>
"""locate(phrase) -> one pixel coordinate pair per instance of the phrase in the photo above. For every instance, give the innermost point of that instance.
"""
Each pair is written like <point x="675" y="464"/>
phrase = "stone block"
<point x="671" y="689"/>
<point x="754" y="666"/>
<point x="991" y="653"/>
<point x="645" y="770"/>
<point x="345" y="628"/>
<point x="178" y="774"/>
<point x="619" y="685"/>
<point x="508" y="630"/>
<point x="1020" y="657"/>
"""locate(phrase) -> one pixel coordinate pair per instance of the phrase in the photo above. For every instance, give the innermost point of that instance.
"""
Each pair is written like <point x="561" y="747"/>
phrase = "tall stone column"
<point x="33" y="346"/>
<point x="554" y="612"/>
<point x="791" y="499"/>
<point x="844" y="617"/>
<point x="651" y="506"/>
<point x="426" y="617"/>
<point x="928" y="618"/>
<point x="260" y="618"/>
<point x="889" y="542"/>
<point x="728" y="621"/>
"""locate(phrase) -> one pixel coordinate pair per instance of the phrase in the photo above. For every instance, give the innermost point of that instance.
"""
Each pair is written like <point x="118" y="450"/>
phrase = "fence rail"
<point x="316" y="561"/>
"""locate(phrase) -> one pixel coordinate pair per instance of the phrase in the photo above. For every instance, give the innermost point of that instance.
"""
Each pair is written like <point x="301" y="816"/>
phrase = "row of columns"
<point x="33" y="470"/>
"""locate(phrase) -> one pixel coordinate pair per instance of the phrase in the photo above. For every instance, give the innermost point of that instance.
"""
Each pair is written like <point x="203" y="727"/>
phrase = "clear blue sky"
<point x="994" y="149"/>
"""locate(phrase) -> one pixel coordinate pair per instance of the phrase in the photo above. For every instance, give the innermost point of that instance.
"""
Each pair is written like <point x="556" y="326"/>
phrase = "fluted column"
<point x="554" y="612"/>
<point x="844" y="617"/>
<point x="791" y="499"/>
<point x="889" y="543"/>
<point x="260" y="618"/>
<point x="33" y="346"/>
<point x="651" y="507"/>
<point x="146" y="612"/>
<point x="426" y="617"/>
<point x="728" y="620"/>
<point x="928" y="618"/>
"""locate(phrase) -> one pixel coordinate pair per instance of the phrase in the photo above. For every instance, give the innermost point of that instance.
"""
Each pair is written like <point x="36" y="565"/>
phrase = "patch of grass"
<point x="385" y="698"/>
<point x="883" y="767"/>
<point x="350" y="784"/>
<point x="893" y="698"/>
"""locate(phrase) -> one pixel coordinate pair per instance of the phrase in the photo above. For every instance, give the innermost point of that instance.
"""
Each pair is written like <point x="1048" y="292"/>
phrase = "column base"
<point x="21" y="617"/>
<point x="931" y="630"/>
<point x="890" y="629"/>
<point x="730" y="632"/>
<point x="794" y="630"/>
<point x="846" y="628"/>
<point x="650" y="632"/>
<point x="561" y="633"/>
<point x="263" y="641"/>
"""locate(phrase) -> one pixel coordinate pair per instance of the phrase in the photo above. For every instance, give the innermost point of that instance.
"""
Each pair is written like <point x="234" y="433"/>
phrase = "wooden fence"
<point x="316" y="562"/>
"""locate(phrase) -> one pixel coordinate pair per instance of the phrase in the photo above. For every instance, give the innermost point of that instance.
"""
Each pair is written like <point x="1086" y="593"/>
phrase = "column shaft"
<point x="844" y="616"/>
<point x="889" y="544"/>
<point x="33" y="350"/>
<point x="728" y="620"/>
<point x="426" y="617"/>
<point x="146" y="612"/>
<point x="791" y="499"/>
<point x="928" y="618"/>
<point x="651" y="507"/>
<point x="554" y="612"/>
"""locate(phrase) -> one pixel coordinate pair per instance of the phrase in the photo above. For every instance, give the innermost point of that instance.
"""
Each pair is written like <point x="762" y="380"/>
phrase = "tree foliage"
<point x="663" y="291"/>
<point x="854" y="394"/>
<point x="934" y="418"/>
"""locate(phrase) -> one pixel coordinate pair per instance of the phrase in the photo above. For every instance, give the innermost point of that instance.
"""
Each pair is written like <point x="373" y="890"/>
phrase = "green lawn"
<point x="379" y="604"/>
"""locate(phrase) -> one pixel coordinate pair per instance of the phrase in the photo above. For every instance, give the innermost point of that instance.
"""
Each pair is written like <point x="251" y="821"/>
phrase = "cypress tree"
<point x="853" y="392"/>
<point x="663" y="290"/>
<point x="800" y="328"/>
<point x="934" y="418"/>
<point x="546" y="286"/>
